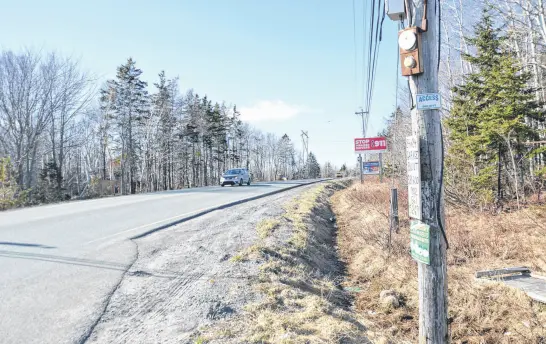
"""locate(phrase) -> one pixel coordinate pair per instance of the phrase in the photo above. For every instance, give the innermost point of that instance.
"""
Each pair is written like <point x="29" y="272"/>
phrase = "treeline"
<point x="492" y="81"/>
<point x="62" y="137"/>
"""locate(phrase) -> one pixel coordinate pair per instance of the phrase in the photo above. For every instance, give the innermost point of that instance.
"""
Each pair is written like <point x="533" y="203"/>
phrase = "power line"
<point x="356" y="53"/>
<point x="370" y="56"/>
<point x="400" y="24"/>
<point x="376" y="21"/>
<point x="364" y="60"/>
<point x="377" y="40"/>
<point x="305" y="151"/>
<point x="372" y="21"/>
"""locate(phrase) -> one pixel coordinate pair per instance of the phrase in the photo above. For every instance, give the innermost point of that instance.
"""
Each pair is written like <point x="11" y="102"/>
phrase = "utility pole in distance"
<point x="426" y="125"/>
<point x="361" y="113"/>
<point x="305" y="151"/>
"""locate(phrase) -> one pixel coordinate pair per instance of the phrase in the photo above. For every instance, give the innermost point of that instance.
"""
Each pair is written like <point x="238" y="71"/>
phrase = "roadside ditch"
<point x="264" y="271"/>
<point x="298" y="292"/>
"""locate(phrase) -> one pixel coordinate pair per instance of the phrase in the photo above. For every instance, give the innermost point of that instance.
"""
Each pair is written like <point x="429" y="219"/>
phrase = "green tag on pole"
<point x="420" y="242"/>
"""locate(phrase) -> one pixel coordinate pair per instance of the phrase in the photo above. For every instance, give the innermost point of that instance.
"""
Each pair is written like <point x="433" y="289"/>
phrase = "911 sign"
<point x="370" y="144"/>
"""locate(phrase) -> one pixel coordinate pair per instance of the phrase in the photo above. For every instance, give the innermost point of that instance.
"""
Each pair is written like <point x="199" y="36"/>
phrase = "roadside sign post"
<point x="370" y="145"/>
<point x="394" y="220"/>
<point x="360" y="164"/>
<point x="381" y="167"/>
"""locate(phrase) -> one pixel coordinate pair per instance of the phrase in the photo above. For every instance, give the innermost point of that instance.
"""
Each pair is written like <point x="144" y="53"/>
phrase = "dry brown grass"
<point x="479" y="312"/>
<point x="266" y="226"/>
<point x="299" y="299"/>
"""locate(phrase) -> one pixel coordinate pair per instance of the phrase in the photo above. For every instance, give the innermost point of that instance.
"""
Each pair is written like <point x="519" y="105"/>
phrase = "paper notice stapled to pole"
<point x="414" y="177"/>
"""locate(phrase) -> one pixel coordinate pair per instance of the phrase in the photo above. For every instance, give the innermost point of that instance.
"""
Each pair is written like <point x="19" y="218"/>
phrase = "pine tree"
<point x="217" y="129"/>
<point x="129" y="106"/>
<point x="286" y="155"/>
<point x="8" y="185"/>
<point x="163" y="107"/>
<point x="191" y="135"/>
<point x="487" y="123"/>
<point x="236" y="135"/>
<point x="314" y="166"/>
<point x="46" y="189"/>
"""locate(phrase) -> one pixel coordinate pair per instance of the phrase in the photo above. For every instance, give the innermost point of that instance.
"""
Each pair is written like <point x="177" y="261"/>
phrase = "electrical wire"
<point x="441" y="181"/>
<point x="371" y="45"/>
<point x="377" y="40"/>
<point x="440" y="185"/>
<point x="367" y="58"/>
<point x="365" y="61"/>
<point x="356" y="53"/>
<point x="395" y="105"/>
<point x="370" y="56"/>
<point x="372" y="33"/>
<point x="374" y="16"/>
<point x="381" y="25"/>
<point x="439" y="8"/>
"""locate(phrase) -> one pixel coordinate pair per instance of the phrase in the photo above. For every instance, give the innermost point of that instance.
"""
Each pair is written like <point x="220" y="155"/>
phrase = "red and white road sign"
<point x="370" y="144"/>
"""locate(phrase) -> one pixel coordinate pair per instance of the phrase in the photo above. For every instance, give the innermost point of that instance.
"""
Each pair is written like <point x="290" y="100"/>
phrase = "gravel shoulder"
<point x="184" y="278"/>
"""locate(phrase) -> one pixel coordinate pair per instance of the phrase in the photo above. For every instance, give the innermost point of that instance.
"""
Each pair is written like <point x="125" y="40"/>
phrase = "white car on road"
<point x="235" y="176"/>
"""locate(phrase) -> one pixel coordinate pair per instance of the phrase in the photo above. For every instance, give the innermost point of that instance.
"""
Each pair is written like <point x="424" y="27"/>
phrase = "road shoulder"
<point x="299" y="298"/>
<point x="183" y="277"/>
<point x="206" y="280"/>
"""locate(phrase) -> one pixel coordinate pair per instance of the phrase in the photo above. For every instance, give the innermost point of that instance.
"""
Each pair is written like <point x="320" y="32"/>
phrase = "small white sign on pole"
<point x="414" y="176"/>
<point x="429" y="101"/>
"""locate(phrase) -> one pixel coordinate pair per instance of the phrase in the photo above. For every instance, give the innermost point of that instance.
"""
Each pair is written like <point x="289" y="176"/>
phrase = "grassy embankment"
<point x="478" y="312"/>
<point x="299" y="297"/>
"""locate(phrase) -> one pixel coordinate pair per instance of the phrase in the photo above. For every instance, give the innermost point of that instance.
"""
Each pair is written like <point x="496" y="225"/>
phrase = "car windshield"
<point x="233" y="171"/>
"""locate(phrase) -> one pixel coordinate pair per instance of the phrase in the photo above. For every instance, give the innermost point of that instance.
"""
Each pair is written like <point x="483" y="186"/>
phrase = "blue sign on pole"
<point x="370" y="167"/>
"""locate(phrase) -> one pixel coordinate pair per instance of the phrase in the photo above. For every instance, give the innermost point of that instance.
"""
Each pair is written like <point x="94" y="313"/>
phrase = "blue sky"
<point x="288" y="65"/>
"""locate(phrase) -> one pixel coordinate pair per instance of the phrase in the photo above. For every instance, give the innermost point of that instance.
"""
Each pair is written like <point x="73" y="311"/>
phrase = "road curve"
<point x="60" y="263"/>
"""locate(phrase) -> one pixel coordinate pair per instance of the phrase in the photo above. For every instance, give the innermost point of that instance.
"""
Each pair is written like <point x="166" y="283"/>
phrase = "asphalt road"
<point x="59" y="264"/>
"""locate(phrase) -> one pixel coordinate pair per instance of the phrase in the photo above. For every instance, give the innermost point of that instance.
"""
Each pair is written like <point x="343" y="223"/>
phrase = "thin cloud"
<point x="267" y="110"/>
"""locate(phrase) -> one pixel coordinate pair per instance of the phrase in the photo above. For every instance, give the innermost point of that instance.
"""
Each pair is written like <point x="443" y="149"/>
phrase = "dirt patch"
<point x="478" y="313"/>
<point x="299" y="293"/>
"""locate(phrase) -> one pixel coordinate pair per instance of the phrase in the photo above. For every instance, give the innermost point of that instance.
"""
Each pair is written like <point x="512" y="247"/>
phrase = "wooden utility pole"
<point x="433" y="326"/>
<point x="361" y="113"/>
<point x="305" y="152"/>
<point x="381" y="167"/>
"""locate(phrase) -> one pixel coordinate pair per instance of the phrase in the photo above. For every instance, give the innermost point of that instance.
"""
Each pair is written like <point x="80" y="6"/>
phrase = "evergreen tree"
<point x="236" y="134"/>
<point x="487" y="123"/>
<point x="217" y="139"/>
<point x="46" y="189"/>
<point x="129" y="106"/>
<point x="314" y="166"/>
<point x="163" y="108"/>
<point x="8" y="185"/>
<point x="286" y="156"/>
